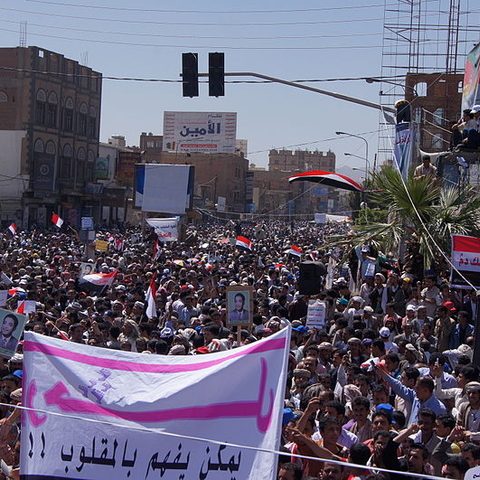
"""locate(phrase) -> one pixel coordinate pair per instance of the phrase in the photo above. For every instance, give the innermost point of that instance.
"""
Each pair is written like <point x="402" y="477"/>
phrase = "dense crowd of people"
<point x="388" y="384"/>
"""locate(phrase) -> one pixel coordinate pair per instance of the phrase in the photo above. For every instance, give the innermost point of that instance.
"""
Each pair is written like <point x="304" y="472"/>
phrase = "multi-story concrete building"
<point x="49" y="135"/>
<point x="274" y="195"/>
<point x="301" y="160"/>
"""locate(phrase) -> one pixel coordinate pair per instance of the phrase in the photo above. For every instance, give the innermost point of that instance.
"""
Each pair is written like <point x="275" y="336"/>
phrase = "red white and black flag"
<point x="13" y="229"/>
<point x="119" y="244"/>
<point x="151" y="297"/>
<point x="96" y="282"/>
<point x="243" y="242"/>
<point x="156" y="250"/>
<point x="294" y="250"/>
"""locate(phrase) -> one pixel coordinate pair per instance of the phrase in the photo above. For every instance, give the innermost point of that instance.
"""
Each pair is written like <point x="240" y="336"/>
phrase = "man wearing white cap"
<point x="390" y="347"/>
<point x="370" y="321"/>
<point x="469" y="412"/>
<point x="354" y="309"/>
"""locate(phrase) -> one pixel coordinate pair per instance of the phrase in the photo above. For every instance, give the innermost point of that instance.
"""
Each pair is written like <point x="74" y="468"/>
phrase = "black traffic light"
<point x="190" y="74"/>
<point x="216" y="74"/>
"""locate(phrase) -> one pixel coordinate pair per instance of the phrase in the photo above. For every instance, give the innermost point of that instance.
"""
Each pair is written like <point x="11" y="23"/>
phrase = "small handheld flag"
<point x="13" y="229"/>
<point x="243" y="242"/>
<point x="294" y="250"/>
<point x="57" y="220"/>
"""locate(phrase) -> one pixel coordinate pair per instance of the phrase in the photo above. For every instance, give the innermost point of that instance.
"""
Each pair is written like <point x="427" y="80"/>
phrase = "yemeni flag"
<point x="13" y="229"/>
<point x="151" y="294"/>
<point x="57" y="220"/>
<point x="156" y="250"/>
<point x="243" y="242"/>
<point x="96" y="282"/>
<point x="294" y="250"/>
<point x="119" y="244"/>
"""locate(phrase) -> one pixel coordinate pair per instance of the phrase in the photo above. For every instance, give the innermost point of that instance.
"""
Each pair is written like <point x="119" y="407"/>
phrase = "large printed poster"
<point x="96" y="413"/>
<point x="209" y="132"/>
<point x="404" y="142"/>
<point x="471" y="78"/>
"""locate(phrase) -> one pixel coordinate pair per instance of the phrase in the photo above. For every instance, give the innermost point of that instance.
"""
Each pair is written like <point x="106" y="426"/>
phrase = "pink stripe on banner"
<point x="59" y="396"/>
<point x="267" y="346"/>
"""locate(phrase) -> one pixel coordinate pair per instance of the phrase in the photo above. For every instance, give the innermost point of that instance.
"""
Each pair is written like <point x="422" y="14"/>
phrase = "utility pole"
<point x="339" y="96"/>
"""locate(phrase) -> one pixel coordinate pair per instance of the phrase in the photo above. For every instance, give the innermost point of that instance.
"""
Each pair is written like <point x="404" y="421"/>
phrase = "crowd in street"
<point x="388" y="384"/>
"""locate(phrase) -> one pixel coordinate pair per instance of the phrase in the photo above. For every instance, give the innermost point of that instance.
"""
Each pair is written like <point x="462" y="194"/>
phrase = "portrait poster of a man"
<point x="11" y="327"/>
<point x="239" y="305"/>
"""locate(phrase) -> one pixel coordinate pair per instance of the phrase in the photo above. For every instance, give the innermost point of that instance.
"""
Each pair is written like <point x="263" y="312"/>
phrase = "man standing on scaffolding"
<point x="426" y="169"/>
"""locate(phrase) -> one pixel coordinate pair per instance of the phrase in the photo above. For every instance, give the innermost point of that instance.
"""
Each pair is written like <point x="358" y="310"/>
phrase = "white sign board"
<point x="165" y="228"/>
<point x="127" y="415"/>
<point x="167" y="188"/>
<point x="316" y="314"/>
<point x="209" y="132"/>
<point x="321" y="218"/>
<point x="5" y="279"/>
<point x="87" y="223"/>
<point x="221" y="204"/>
<point x="3" y="297"/>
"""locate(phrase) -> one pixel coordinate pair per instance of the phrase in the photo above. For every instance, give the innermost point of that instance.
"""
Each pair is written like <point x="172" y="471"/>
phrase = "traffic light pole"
<point x="339" y="96"/>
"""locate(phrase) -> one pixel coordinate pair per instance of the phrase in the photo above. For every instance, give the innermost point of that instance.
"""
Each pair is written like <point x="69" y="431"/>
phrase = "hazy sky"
<point x="292" y="40"/>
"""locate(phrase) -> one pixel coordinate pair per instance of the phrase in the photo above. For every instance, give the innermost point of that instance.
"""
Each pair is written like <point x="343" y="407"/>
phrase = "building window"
<point x="52" y="109"/>
<point x="438" y="116"/>
<point x="68" y="116"/>
<point x="50" y="148"/>
<point x="89" y="171"/>
<point x="92" y="122"/>
<point x="38" y="146"/>
<point x="82" y="119"/>
<point x="81" y="156"/>
<point x="40" y="107"/>
<point x="3" y="97"/>
<point x="80" y="178"/>
<point x="66" y="163"/>
<point x="437" y="141"/>
<point x="418" y="115"/>
<point x="89" y="166"/>
<point x="421" y="89"/>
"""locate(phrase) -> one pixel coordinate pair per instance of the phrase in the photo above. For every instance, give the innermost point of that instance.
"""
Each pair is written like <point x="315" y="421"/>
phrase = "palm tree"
<point x="418" y="211"/>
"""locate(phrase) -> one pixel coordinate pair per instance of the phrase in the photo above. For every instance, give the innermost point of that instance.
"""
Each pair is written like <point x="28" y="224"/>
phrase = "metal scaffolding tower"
<point x="421" y="36"/>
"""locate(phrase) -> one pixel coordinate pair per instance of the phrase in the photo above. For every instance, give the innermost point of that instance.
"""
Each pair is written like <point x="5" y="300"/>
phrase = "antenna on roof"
<point x="23" y="34"/>
<point x="84" y="59"/>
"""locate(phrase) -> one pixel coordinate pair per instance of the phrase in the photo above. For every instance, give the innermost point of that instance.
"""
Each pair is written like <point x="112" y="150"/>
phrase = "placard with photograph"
<point x="11" y="328"/>
<point x="240" y="305"/>
<point x="86" y="269"/>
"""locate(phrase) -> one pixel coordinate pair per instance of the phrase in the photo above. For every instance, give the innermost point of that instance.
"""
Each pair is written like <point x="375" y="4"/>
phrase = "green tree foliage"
<point x="422" y="211"/>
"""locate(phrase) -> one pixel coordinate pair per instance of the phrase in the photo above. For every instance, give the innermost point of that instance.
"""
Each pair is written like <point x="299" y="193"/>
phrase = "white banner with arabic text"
<point x="165" y="228"/>
<point x="105" y="398"/>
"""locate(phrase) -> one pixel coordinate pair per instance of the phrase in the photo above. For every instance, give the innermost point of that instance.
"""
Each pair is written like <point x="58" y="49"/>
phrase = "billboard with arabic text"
<point x="207" y="132"/>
